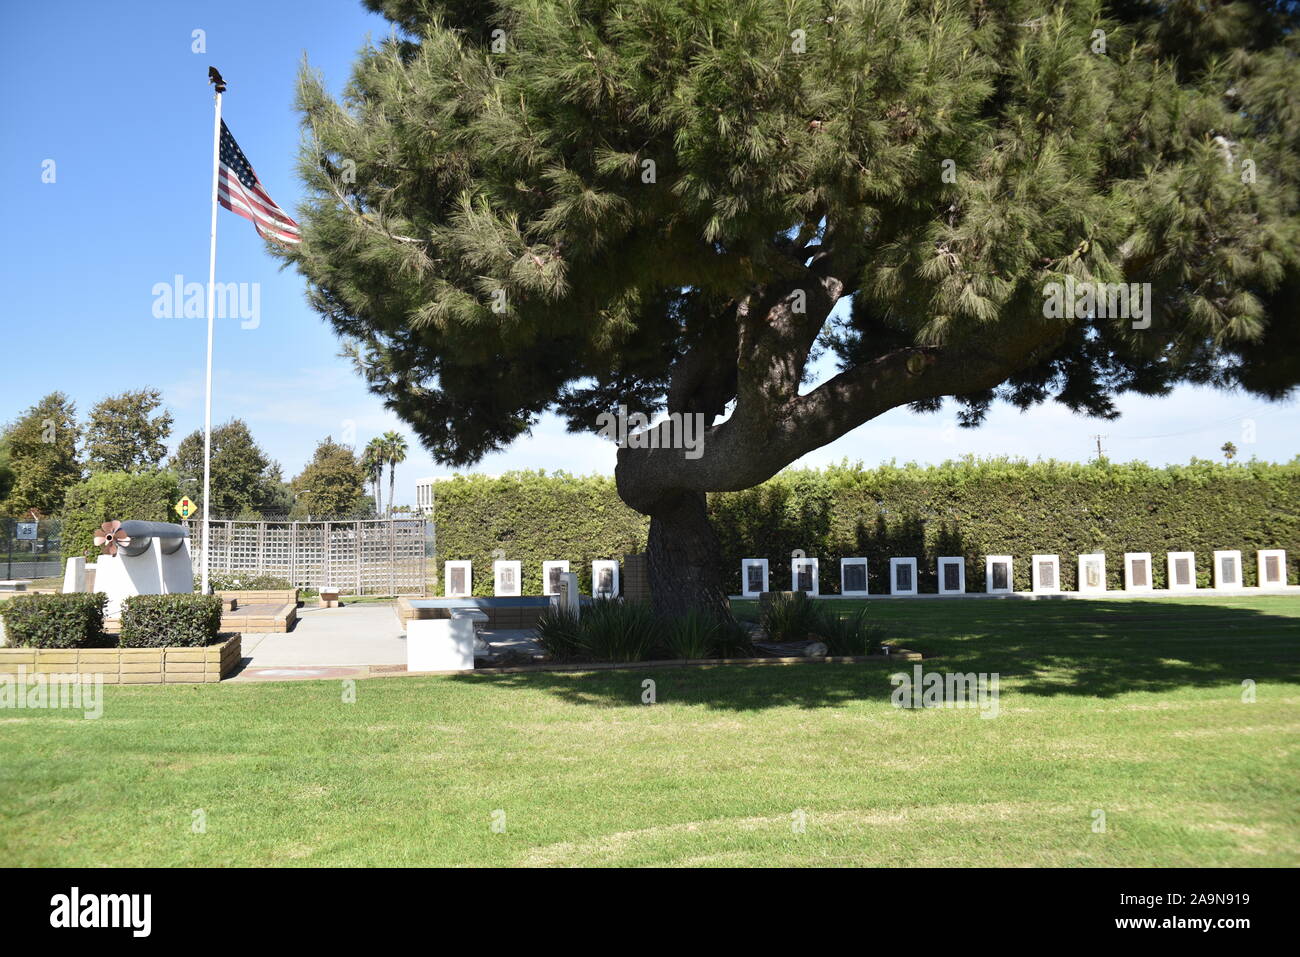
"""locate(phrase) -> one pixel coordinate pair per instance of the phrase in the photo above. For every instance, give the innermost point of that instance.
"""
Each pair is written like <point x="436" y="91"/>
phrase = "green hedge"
<point x="970" y="508"/>
<point x="105" y="496"/>
<point x="533" y="517"/>
<point x="176" y="621"/>
<point x="55" y="621"/>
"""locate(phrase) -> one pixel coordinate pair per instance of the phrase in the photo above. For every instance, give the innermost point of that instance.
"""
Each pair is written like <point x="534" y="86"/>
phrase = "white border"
<point x="866" y="589"/>
<point x="795" y="565"/>
<point x="1170" y="558"/>
<point x="596" y="566"/>
<point x="1083" y="587"/>
<point x="1219" y="583"/>
<point x="1281" y="556"/>
<point x="895" y="563"/>
<point x="989" y="562"/>
<point x="1034" y="585"/>
<point x="1129" y="559"/>
<point x="961" y="574"/>
<point x="469" y="578"/>
<point x="546" y="575"/>
<point x="497" y="566"/>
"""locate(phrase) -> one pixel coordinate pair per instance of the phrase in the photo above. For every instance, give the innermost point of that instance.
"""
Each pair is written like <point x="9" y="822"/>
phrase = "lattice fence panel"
<point x="375" y="557"/>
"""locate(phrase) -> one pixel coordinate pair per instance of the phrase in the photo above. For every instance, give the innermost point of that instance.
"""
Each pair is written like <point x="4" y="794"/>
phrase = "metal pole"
<point x="212" y="293"/>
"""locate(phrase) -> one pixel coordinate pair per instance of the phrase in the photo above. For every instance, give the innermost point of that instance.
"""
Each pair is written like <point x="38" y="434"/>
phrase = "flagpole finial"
<point x="214" y="77"/>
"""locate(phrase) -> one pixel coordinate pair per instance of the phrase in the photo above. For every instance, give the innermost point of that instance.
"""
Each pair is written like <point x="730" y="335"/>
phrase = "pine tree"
<point x="659" y="204"/>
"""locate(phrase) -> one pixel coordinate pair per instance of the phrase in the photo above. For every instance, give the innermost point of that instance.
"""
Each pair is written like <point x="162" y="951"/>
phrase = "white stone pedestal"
<point x="440" y="644"/>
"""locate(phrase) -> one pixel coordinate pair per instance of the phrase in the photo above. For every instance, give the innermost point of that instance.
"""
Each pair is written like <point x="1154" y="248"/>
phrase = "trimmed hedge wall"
<point x="105" y="496"/>
<point x="533" y="517"/>
<point x="971" y="508"/>
<point x="55" y="621"/>
<point x="176" y="621"/>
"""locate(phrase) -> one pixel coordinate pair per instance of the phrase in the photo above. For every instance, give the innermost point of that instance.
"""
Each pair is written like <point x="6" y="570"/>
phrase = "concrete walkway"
<point x="337" y="642"/>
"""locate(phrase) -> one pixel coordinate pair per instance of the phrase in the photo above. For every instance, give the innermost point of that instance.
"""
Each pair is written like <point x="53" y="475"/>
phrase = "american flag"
<point x="241" y="192"/>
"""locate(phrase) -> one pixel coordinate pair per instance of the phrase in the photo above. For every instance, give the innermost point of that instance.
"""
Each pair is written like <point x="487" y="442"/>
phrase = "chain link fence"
<point x="31" y="549"/>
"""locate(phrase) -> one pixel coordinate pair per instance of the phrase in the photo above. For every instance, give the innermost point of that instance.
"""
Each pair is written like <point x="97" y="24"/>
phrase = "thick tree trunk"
<point x="685" y="558"/>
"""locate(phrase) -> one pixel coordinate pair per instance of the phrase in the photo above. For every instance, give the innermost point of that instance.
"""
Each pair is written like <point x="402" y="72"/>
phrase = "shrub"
<point x="611" y="629"/>
<point x="693" y="635"/>
<point x="789" y="617"/>
<point x="182" y="621"/>
<point x="557" y="633"/>
<point x="144" y="496"/>
<point x="55" y="621"/>
<point x="733" y="640"/>
<point x="846" y="633"/>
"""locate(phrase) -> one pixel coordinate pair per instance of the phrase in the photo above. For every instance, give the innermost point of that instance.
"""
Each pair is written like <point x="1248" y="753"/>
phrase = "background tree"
<point x="661" y="204"/>
<point x="372" y="461"/>
<point x="123" y="434"/>
<point x="394" y="451"/>
<point x="332" y="483"/>
<point x="244" y="481"/>
<point x="42" y="448"/>
<point x="1229" y="451"/>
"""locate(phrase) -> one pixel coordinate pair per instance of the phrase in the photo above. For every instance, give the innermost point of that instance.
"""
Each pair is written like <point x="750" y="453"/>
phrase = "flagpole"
<point x="215" y="78"/>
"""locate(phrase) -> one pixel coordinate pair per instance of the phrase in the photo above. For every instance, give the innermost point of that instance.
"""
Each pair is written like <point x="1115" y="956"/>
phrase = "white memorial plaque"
<point x="952" y="575"/>
<point x="853" y="576"/>
<point x="902" y="576"/>
<point x="753" y="577"/>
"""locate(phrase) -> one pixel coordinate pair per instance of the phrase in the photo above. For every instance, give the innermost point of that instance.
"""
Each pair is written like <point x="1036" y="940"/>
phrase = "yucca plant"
<point x="557" y="633"/>
<point x="789" y="618"/>
<point x="611" y="629"/>
<point x="847" y="633"/>
<point x="693" y="635"/>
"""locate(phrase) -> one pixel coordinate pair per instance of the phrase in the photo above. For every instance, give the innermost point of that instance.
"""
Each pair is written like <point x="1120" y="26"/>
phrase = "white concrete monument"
<point x="753" y="577"/>
<point x="568" y="597"/>
<point x="604" y="578"/>
<point x="507" y="579"/>
<point x="1137" y="571"/>
<point x="997" y="574"/>
<point x="1272" y="568"/>
<point x="1227" y="570"/>
<point x="803" y="576"/>
<point x="1182" y="571"/>
<point x="853" y="577"/>
<point x="457" y="579"/>
<point x="1092" y="572"/>
<point x="902" y="576"/>
<point x="551" y="572"/>
<point x="952" y="575"/>
<point x="440" y="644"/>
<point x="1046" y="574"/>
<point x="140" y="558"/>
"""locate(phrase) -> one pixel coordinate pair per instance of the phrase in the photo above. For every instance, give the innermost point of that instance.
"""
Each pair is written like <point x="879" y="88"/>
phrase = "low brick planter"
<point x="129" y="666"/>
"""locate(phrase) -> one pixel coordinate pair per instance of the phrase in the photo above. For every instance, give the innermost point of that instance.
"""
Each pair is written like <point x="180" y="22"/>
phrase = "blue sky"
<point x="117" y="98"/>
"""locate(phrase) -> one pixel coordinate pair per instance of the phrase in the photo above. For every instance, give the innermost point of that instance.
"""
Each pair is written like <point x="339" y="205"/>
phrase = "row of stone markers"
<point x="507" y="578"/>
<point x="1045" y="575"/>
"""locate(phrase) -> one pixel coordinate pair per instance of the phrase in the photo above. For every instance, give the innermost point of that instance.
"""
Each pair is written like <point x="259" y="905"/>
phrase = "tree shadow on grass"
<point x="1087" y="649"/>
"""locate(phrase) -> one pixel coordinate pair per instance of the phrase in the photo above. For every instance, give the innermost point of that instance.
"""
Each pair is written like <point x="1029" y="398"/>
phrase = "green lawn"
<point x="1133" y="708"/>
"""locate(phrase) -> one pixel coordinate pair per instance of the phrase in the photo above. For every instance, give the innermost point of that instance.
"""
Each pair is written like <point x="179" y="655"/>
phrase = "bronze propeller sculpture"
<point x="110" y="536"/>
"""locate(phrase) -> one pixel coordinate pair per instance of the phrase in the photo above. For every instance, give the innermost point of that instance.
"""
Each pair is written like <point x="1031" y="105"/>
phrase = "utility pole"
<point x="1101" y="453"/>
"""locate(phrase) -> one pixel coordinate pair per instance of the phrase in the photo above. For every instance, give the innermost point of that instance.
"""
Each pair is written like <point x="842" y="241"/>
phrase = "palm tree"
<point x="372" y="460"/>
<point x="394" y="444"/>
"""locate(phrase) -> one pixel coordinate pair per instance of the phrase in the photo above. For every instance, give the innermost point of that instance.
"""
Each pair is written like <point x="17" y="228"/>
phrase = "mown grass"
<point x="1134" y="708"/>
